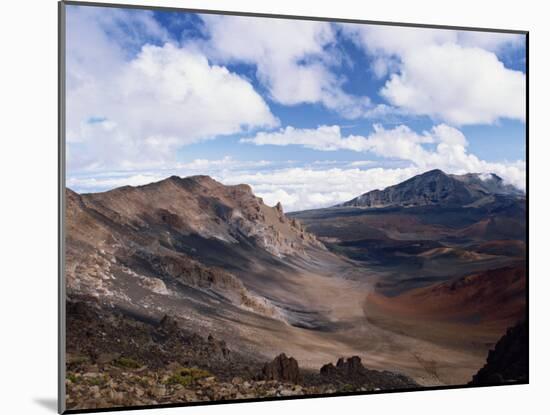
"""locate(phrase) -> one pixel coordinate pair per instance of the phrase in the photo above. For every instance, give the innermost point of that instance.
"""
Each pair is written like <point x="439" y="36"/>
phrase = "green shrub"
<point x="194" y="372"/>
<point x="97" y="381"/>
<point x="187" y="375"/>
<point x="178" y="379"/>
<point x="127" y="363"/>
<point x="72" y="377"/>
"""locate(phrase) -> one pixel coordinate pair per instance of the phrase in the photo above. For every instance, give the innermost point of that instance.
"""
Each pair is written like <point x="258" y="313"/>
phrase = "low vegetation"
<point x="185" y="376"/>
<point x="127" y="363"/>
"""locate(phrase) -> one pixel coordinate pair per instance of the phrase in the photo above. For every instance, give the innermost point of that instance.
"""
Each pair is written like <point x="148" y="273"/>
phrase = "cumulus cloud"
<point x="491" y="41"/>
<point x="448" y="149"/>
<point x="324" y="138"/>
<point x="457" y="84"/>
<point x="100" y="181"/>
<point x="135" y="96"/>
<point x="453" y="76"/>
<point x="297" y="188"/>
<point x="290" y="57"/>
<point x="132" y="111"/>
<point x="301" y="188"/>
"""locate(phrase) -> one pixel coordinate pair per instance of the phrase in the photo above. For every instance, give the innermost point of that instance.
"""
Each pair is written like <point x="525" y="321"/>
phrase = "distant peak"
<point x="435" y="187"/>
<point x="489" y="176"/>
<point x="197" y="178"/>
<point x="434" y="172"/>
<point x="201" y="177"/>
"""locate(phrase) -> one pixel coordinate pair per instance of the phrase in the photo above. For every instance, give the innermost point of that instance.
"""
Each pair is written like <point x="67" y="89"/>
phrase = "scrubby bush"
<point x="127" y="363"/>
<point x="187" y="375"/>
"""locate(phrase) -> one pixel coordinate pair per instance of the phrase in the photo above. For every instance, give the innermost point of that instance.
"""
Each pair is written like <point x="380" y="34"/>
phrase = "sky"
<point x="310" y="114"/>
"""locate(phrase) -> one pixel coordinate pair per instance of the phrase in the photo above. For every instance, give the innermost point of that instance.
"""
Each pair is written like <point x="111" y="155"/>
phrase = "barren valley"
<point x="419" y="281"/>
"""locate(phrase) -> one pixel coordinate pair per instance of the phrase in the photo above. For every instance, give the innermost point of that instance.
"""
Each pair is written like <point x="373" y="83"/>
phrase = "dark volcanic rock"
<point x="349" y="369"/>
<point x="282" y="368"/>
<point x="352" y="366"/>
<point x="508" y="362"/>
<point x="328" y="370"/>
<point x="352" y="372"/>
<point x="104" y="335"/>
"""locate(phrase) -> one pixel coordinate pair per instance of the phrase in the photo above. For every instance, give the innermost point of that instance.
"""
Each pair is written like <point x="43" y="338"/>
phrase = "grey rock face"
<point x="436" y="188"/>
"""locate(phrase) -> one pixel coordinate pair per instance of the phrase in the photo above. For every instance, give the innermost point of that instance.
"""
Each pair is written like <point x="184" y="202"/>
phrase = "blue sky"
<point x="307" y="113"/>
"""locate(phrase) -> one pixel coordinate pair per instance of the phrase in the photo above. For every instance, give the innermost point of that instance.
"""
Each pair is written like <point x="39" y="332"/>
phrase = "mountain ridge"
<point x="201" y="205"/>
<point x="436" y="187"/>
<point x="148" y="238"/>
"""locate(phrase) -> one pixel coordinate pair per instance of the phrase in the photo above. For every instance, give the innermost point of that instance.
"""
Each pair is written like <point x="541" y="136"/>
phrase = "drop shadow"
<point x="48" y="403"/>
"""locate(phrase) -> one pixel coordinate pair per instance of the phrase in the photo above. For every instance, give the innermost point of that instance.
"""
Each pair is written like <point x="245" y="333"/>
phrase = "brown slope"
<point x="496" y="295"/>
<point x="495" y="228"/>
<point x="123" y="246"/>
<point x="203" y="206"/>
<point x="510" y="248"/>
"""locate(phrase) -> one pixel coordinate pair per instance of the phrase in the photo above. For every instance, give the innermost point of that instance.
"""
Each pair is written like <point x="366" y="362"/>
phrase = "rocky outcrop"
<point x="351" y="366"/>
<point x="282" y="368"/>
<point x="351" y="372"/>
<point x="508" y="362"/>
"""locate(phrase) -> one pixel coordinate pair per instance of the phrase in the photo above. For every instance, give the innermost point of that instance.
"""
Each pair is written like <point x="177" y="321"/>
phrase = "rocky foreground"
<point x="508" y="361"/>
<point x="116" y="359"/>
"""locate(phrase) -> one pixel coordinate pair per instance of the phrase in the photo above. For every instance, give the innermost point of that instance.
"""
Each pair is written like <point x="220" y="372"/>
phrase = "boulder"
<point x="350" y="367"/>
<point x="282" y="368"/>
<point x="354" y="365"/>
<point x="328" y="370"/>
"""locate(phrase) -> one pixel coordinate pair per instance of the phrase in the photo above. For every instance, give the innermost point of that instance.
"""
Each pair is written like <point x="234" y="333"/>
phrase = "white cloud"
<point x="306" y="188"/>
<point x="95" y="181"/>
<point x="457" y="84"/>
<point x="128" y="112"/>
<point x="98" y="183"/>
<point x="490" y="41"/>
<point x="398" y="41"/>
<point x="454" y="76"/>
<point x="130" y="107"/>
<point x="383" y="41"/>
<point x="324" y="138"/>
<point x="362" y="163"/>
<point x="296" y="188"/>
<point x="224" y="163"/>
<point x="449" y="152"/>
<point x="400" y="142"/>
<point x="290" y="57"/>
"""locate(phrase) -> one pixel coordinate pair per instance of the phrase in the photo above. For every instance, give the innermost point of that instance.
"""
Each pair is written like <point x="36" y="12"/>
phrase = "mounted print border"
<point x="258" y="207"/>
